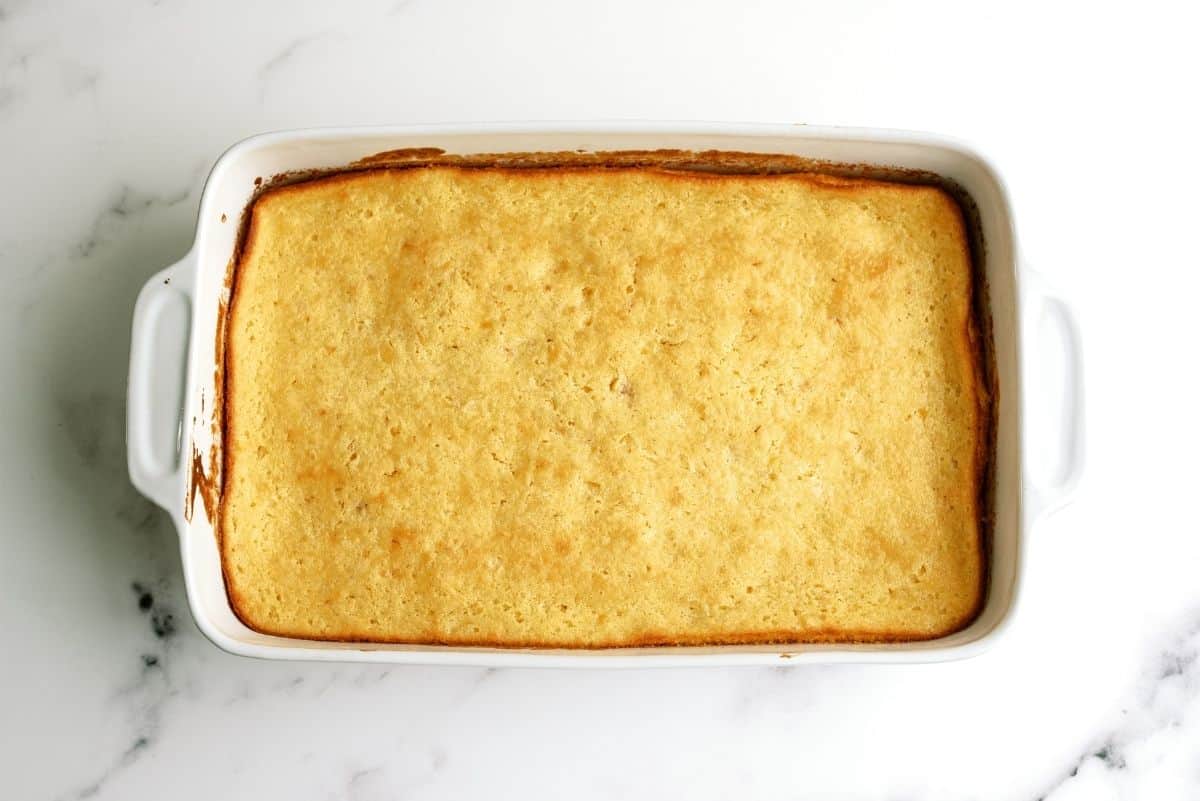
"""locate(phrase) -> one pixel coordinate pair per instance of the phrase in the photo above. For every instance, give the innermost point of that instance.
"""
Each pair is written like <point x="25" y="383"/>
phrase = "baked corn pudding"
<point x="589" y="407"/>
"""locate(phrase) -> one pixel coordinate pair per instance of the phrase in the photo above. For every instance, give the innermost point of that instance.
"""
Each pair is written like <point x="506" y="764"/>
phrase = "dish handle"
<point x="1046" y="309"/>
<point x="157" y="373"/>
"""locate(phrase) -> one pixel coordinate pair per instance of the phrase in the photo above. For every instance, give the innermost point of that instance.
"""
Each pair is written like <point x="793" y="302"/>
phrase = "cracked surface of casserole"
<point x="603" y="407"/>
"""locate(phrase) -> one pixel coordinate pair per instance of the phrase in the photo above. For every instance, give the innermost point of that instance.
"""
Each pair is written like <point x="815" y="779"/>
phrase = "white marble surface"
<point x="110" y="115"/>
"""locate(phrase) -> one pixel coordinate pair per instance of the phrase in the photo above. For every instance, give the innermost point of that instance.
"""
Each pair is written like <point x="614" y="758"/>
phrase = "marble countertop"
<point x="110" y="116"/>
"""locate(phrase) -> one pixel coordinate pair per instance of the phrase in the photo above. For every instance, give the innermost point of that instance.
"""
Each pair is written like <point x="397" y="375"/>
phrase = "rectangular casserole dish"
<point x="174" y="380"/>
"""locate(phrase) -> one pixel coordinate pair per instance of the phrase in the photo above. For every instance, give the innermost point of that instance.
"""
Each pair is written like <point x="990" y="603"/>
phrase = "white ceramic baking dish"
<point x="171" y="377"/>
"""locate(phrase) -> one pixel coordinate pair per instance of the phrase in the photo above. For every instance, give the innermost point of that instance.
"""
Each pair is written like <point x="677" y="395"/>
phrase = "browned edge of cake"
<point x="977" y="337"/>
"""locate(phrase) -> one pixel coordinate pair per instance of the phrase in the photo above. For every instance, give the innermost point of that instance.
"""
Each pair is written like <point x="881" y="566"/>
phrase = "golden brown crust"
<point x="976" y="356"/>
<point x="651" y="640"/>
<point x="246" y="243"/>
<point x="720" y="162"/>
<point x="973" y="353"/>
